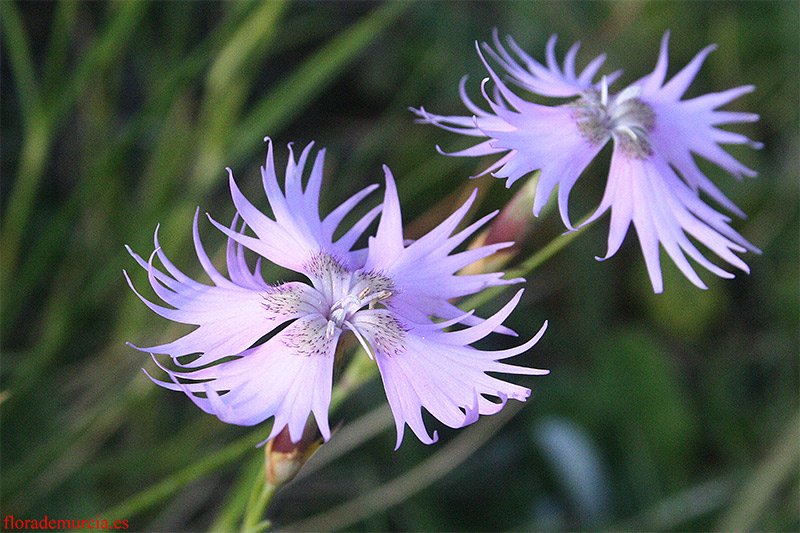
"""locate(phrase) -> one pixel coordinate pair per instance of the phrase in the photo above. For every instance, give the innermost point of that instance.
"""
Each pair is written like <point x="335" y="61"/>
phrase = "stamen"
<point x="379" y="297"/>
<point x="604" y="91"/>
<point x="625" y="117"/>
<point x="350" y="304"/>
<point x="336" y="286"/>
<point x="360" y="338"/>
<point x="628" y="131"/>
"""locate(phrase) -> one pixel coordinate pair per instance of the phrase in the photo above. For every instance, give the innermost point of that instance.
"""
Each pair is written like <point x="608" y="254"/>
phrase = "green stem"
<point x="55" y="64"/>
<point x="529" y="265"/>
<point x="238" y="498"/>
<point x="103" y="53"/>
<point x="227" y="88"/>
<point x="159" y="492"/>
<point x="36" y="144"/>
<point x="445" y="460"/>
<point x="548" y="251"/>
<point x="359" y="371"/>
<point x="36" y="139"/>
<point x="260" y="496"/>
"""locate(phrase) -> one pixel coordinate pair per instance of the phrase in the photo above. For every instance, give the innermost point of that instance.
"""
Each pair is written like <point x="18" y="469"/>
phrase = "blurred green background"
<point x="662" y="412"/>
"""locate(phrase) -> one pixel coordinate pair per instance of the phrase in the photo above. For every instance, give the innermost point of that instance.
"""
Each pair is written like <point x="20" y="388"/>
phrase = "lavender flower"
<point x="387" y="295"/>
<point x="653" y="179"/>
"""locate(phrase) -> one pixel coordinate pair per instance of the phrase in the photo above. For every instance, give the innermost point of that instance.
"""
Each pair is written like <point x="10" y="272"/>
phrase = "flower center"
<point x="345" y="308"/>
<point x="344" y="292"/>
<point x="624" y="117"/>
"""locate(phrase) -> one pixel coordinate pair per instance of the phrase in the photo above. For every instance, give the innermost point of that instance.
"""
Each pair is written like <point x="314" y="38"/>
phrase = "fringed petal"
<point x="297" y="232"/>
<point x="288" y="377"/>
<point x="424" y="272"/>
<point x="547" y="81"/>
<point x="665" y="211"/>
<point x="230" y="316"/>
<point x="424" y="368"/>
<point x="686" y="127"/>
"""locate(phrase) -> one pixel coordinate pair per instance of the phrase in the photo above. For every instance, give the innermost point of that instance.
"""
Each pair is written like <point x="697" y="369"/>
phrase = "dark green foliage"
<point x="118" y="116"/>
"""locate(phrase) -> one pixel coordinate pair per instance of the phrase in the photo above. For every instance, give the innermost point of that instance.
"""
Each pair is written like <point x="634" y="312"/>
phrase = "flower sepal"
<point x="283" y="458"/>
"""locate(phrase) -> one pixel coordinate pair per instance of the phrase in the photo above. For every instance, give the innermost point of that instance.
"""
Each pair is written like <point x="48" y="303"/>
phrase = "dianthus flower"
<point x="653" y="180"/>
<point x="393" y="296"/>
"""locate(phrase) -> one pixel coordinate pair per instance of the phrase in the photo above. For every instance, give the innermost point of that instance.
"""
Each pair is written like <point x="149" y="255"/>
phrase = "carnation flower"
<point x="653" y="180"/>
<point x="393" y="296"/>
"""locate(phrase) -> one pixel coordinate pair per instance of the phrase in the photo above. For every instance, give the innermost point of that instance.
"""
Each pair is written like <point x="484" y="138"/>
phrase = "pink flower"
<point x="387" y="295"/>
<point x="653" y="181"/>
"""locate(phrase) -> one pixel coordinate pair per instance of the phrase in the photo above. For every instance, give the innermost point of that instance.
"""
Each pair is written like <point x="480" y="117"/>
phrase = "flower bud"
<point x="284" y="458"/>
<point x="513" y="224"/>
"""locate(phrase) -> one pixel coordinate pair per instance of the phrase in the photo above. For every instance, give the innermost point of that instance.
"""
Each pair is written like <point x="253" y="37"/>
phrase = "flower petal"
<point x="546" y="81"/>
<point x="230" y="317"/>
<point x="387" y="244"/>
<point x="288" y="377"/>
<point x="664" y="210"/>
<point x="296" y="233"/>
<point x="424" y="272"/>
<point x="684" y="127"/>
<point x="423" y="367"/>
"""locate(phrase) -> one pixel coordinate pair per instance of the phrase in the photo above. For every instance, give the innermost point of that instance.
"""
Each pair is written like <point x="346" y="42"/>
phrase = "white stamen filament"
<point x="360" y="338"/>
<point x="624" y="117"/>
<point x="628" y="131"/>
<point x="345" y="307"/>
<point x="604" y="91"/>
